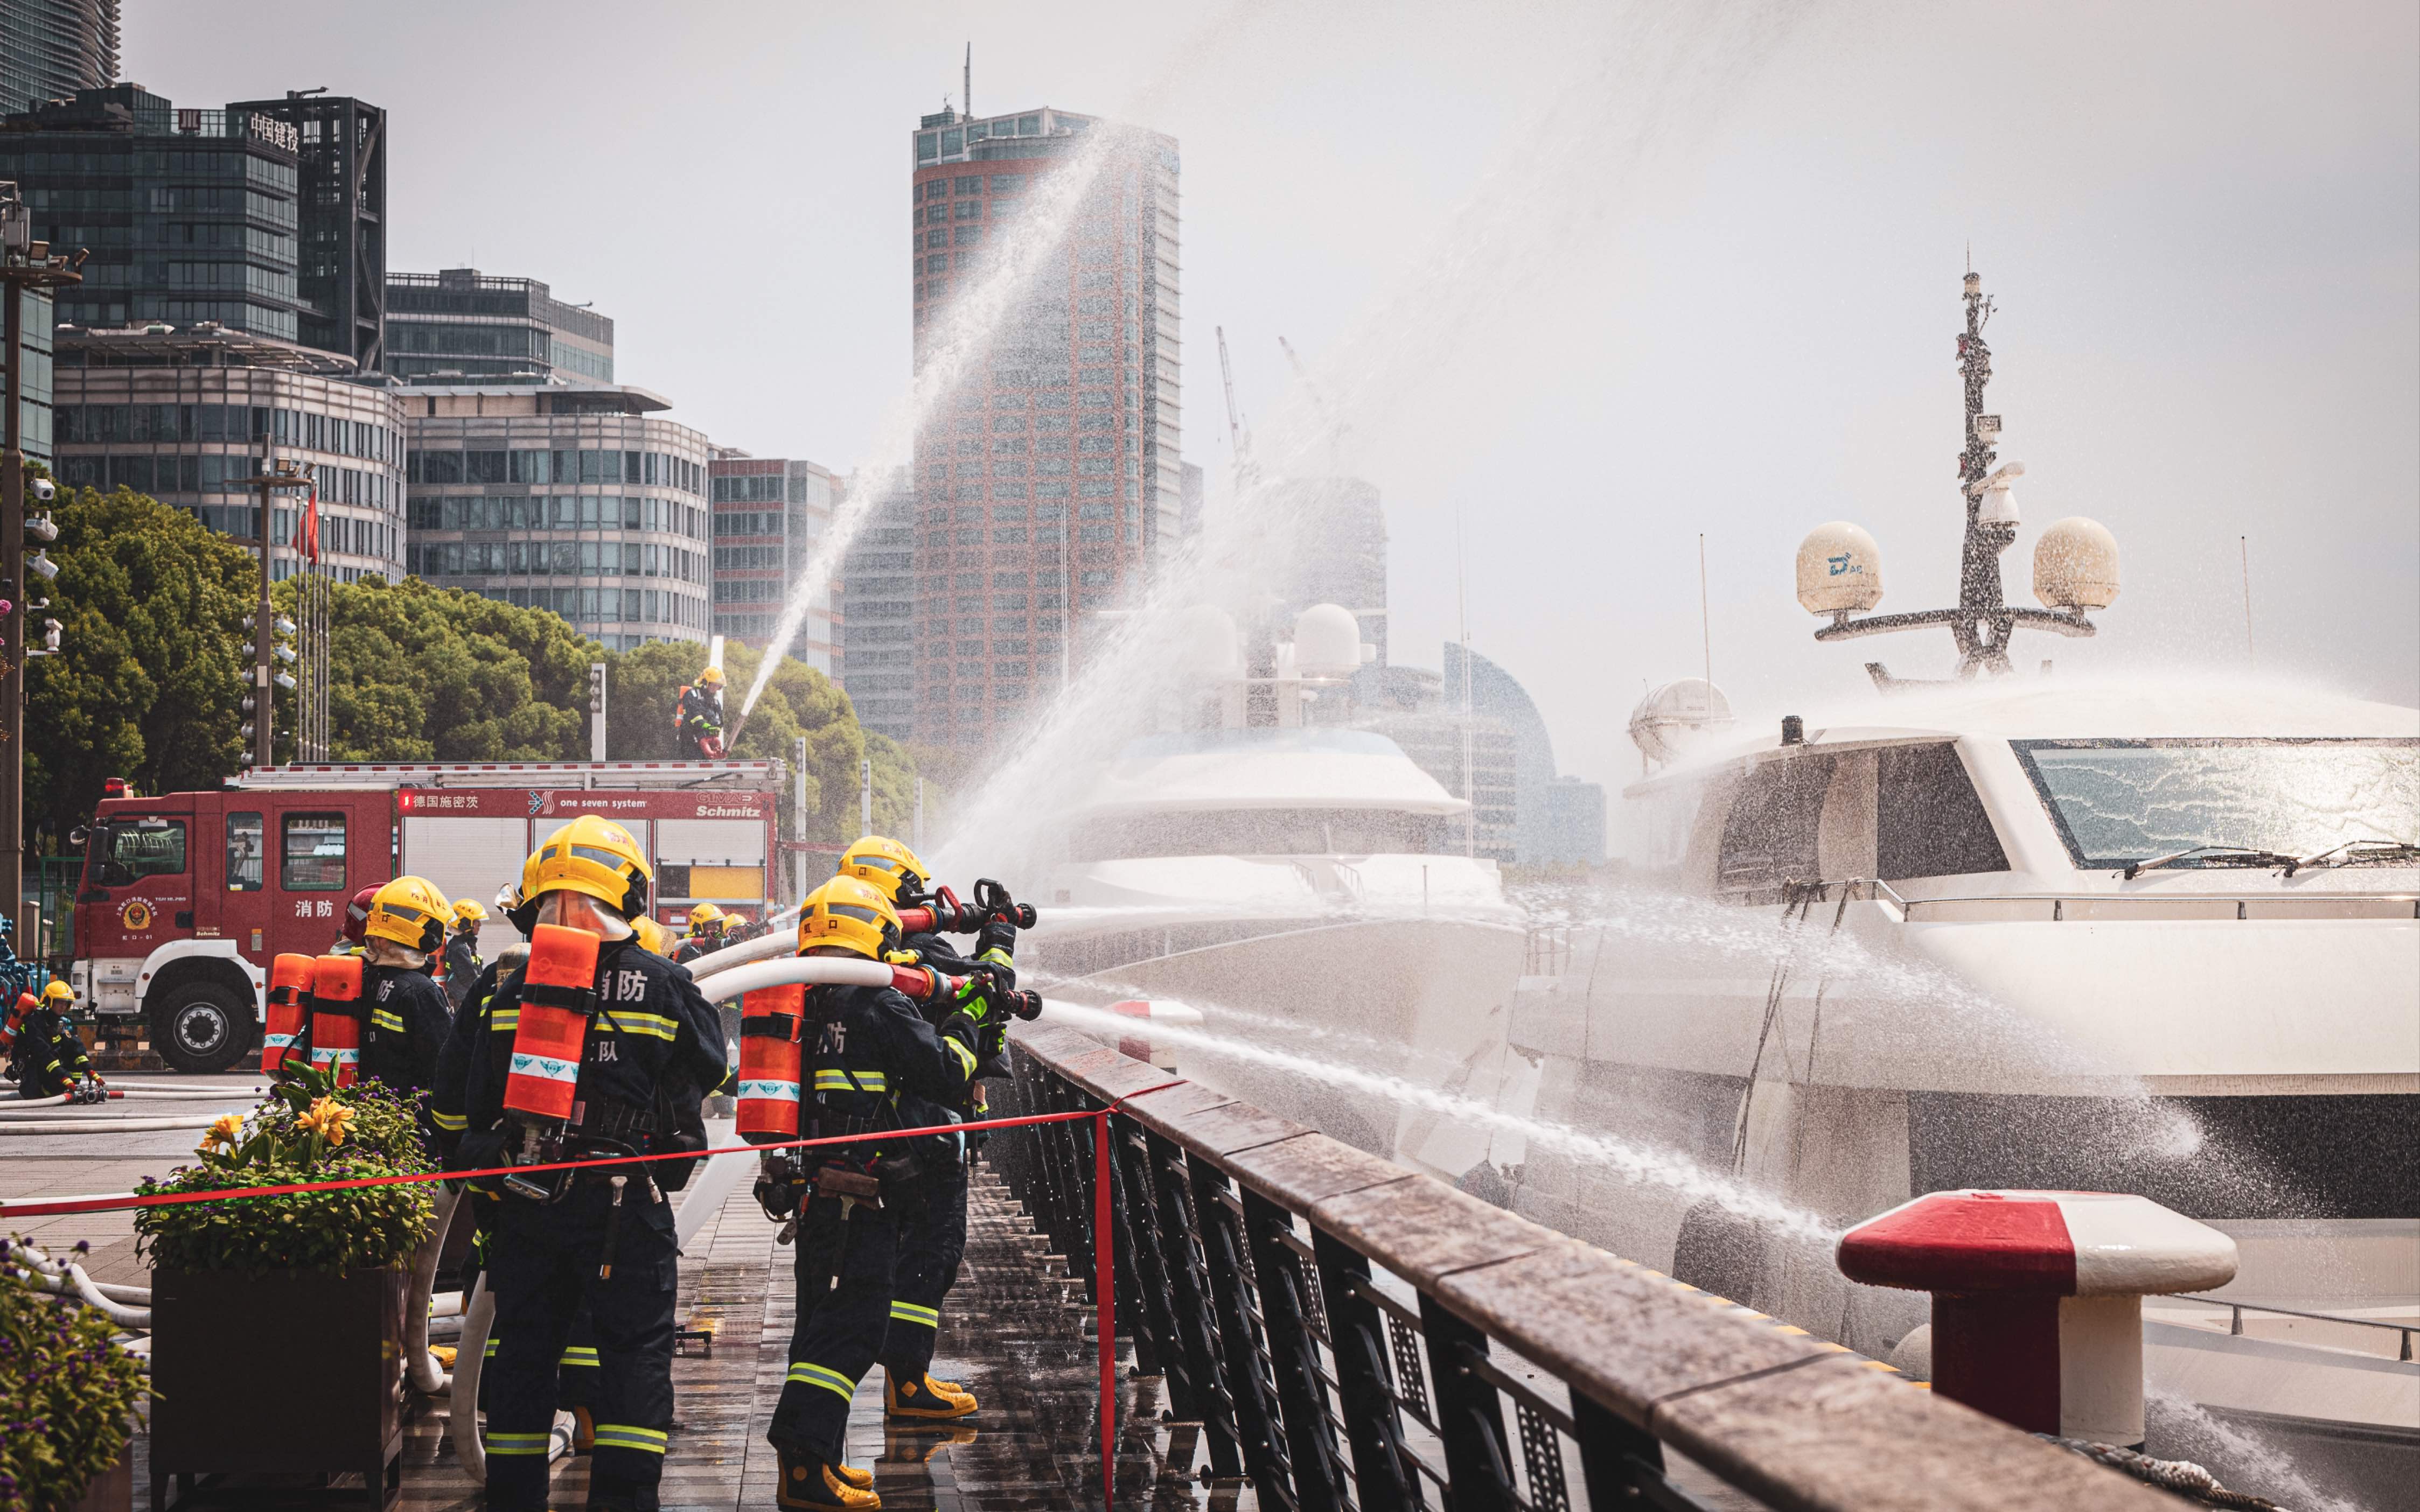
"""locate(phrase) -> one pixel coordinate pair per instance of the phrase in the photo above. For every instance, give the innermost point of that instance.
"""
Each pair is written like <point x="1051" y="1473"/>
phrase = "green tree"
<point x="422" y="673"/>
<point x="155" y="616"/>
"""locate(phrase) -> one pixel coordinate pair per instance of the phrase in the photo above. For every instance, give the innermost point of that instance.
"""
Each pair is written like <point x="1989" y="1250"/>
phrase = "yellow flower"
<point x="328" y="1118"/>
<point x="222" y="1133"/>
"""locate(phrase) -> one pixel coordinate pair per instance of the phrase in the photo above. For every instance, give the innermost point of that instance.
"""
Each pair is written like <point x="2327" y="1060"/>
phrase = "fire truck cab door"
<point x="317" y="844"/>
<point x="241" y="861"/>
<point x="139" y="883"/>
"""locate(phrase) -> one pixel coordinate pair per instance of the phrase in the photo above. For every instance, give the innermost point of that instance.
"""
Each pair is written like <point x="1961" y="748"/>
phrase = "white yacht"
<point x="1288" y="877"/>
<point x="2019" y="932"/>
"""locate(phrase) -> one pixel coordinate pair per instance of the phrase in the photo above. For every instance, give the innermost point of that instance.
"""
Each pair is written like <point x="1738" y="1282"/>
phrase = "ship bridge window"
<point x="2117" y="801"/>
<point x="1928" y="819"/>
<point x="1260" y="832"/>
<point x="1769" y="835"/>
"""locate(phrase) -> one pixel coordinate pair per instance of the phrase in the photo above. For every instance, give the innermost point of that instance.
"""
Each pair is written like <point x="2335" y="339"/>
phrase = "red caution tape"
<point x="111" y="1201"/>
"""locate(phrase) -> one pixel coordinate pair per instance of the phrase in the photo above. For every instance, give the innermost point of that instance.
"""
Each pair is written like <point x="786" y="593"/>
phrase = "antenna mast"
<point x="967" y="89"/>
<point x="1983" y="620"/>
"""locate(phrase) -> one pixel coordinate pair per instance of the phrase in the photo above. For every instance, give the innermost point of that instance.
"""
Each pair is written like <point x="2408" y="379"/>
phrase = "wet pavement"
<point x="1016" y="1331"/>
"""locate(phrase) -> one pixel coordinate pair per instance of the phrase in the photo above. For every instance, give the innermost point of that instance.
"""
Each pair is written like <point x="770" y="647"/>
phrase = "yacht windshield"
<point x="2122" y="801"/>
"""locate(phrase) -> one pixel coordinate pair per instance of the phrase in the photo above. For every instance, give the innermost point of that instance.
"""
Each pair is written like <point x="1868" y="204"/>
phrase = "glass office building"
<point x="340" y="224"/>
<point x="183" y="415"/>
<point x="50" y="49"/>
<point x="582" y="501"/>
<point x="770" y="513"/>
<point x="461" y="325"/>
<point x="1050" y="473"/>
<point x="190" y="215"/>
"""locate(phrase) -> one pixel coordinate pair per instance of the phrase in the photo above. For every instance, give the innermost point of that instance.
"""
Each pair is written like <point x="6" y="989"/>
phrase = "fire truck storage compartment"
<point x="466" y="855"/>
<point x="717" y="859"/>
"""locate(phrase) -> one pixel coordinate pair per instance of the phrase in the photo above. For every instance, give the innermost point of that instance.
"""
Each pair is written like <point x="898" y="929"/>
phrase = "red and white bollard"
<point x="2037" y="1296"/>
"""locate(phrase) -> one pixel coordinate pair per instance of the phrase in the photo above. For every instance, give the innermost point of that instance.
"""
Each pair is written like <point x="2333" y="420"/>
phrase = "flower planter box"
<point x="285" y="1374"/>
<point x="111" y="1490"/>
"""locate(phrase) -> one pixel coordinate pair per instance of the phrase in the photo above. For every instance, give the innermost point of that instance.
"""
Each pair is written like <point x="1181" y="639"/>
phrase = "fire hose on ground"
<point x="65" y="1277"/>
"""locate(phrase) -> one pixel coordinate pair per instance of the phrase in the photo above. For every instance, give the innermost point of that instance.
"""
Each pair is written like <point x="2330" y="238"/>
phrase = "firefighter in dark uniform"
<point x="865" y="1049"/>
<point x="705" y="926"/>
<point x="697" y="714"/>
<point x="410" y="1016"/>
<point x="462" y="963"/>
<point x="602" y="1236"/>
<point x="50" y="1055"/>
<point x="932" y="1225"/>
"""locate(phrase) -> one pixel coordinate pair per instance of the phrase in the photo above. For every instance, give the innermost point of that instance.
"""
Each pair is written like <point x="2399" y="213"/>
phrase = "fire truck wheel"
<point x="200" y="1028"/>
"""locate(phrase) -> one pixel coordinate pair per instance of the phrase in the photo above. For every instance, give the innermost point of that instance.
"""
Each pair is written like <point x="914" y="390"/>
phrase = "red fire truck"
<point x="186" y="896"/>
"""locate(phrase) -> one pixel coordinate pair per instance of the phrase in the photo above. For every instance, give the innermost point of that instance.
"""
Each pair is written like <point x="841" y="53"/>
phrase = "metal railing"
<point x="1348" y="1335"/>
<point x="2235" y="1311"/>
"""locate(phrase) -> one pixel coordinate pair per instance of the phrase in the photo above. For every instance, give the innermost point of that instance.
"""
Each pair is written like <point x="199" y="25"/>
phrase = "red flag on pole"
<point x="307" y="540"/>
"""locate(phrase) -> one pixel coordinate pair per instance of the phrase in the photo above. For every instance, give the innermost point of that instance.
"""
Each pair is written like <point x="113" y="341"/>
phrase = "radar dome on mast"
<point x="1839" y="570"/>
<point x="1670" y="716"/>
<point x="2075" y="565"/>
<point x="1327" y="641"/>
<point x="1206" y="647"/>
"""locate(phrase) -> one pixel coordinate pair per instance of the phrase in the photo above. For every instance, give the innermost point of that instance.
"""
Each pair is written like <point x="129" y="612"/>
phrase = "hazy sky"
<point x="1597" y="278"/>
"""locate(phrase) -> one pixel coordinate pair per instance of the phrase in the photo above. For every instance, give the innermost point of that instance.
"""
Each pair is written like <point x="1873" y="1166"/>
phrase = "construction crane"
<point x="1329" y="417"/>
<point x="1239" y="442"/>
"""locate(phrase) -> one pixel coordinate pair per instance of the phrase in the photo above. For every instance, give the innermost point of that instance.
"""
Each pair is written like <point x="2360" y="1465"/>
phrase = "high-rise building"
<point x="1049" y="473"/>
<point x="575" y="500"/>
<point x="341" y="229"/>
<point x="185" y="414"/>
<point x="878" y="614"/>
<point x="770" y="513"/>
<point x="460" y="326"/>
<point x="50" y="49"/>
<point x="190" y="215"/>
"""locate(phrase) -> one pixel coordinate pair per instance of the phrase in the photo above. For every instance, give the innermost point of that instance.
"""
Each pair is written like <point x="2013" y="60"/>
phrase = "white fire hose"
<point x="781" y="942"/>
<point x="86" y="1126"/>
<point x="420" y="1367"/>
<point x="749" y="975"/>
<point x="64" y="1277"/>
<point x="470" y="1358"/>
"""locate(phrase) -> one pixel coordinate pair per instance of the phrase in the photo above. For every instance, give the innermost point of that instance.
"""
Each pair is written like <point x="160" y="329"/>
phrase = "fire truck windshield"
<point x="128" y="851"/>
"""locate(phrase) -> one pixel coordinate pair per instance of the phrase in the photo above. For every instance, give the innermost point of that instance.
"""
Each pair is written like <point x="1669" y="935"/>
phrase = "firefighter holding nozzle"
<point x="46" y="1055"/>
<point x="932" y="1225"/>
<point x="610" y="1052"/>
<point x="866" y="1053"/>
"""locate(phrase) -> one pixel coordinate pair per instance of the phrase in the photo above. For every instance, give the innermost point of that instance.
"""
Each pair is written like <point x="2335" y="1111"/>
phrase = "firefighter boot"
<point x="924" y="1399"/>
<point x="810" y="1484"/>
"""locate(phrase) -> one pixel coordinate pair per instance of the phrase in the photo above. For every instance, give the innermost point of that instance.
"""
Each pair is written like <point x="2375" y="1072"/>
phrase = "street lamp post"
<point x="264" y="634"/>
<point x="25" y="264"/>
